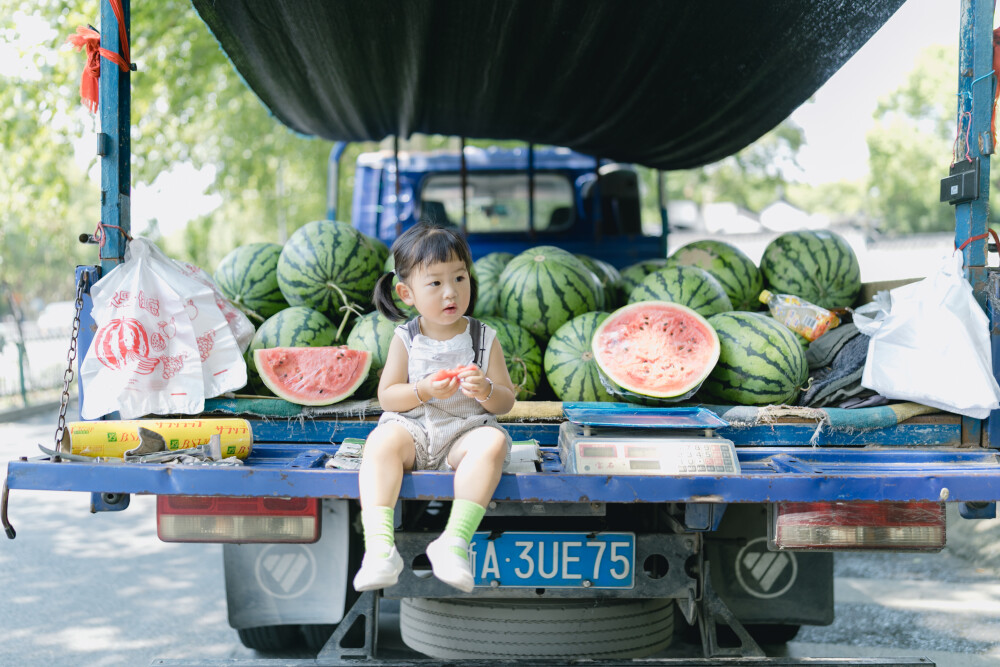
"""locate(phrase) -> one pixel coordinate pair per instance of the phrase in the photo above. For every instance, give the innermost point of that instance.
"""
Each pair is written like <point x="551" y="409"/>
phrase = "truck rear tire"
<point x="271" y="638"/>
<point x="565" y="628"/>
<point x="773" y="633"/>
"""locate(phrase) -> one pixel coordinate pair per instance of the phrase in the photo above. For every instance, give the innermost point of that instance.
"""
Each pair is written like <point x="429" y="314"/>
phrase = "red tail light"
<point x="858" y="526"/>
<point x="240" y="520"/>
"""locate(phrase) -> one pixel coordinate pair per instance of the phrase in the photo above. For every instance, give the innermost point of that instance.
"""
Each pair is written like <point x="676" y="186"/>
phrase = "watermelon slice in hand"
<point x="656" y="348"/>
<point x="312" y="375"/>
<point x="449" y="373"/>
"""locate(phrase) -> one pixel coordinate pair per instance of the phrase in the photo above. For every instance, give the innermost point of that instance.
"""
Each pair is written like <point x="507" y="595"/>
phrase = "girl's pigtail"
<point x="384" y="302"/>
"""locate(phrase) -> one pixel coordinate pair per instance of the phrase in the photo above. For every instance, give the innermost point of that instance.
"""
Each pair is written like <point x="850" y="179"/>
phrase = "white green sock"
<point x="463" y="521"/>
<point x="377" y="523"/>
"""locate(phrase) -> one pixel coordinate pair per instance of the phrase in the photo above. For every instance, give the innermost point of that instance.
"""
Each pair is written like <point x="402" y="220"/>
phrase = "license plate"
<point x="554" y="560"/>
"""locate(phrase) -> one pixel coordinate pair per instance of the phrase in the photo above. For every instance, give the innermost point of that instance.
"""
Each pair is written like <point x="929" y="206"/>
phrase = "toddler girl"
<point x="430" y="424"/>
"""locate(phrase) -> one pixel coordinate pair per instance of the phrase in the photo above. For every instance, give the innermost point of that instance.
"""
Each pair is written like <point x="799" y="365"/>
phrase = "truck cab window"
<point x="498" y="202"/>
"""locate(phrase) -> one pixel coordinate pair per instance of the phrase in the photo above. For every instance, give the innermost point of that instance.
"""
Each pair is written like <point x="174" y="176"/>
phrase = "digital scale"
<point x="625" y="439"/>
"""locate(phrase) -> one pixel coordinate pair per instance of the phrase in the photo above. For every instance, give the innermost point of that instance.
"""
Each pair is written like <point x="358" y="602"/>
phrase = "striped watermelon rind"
<point x="760" y="363"/>
<point x="522" y="355"/>
<point x="296" y="326"/>
<point x="488" y="270"/>
<point x="655" y="350"/>
<point x="328" y="266"/>
<point x="372" y="332"/>
<point x="545" y="287"/>
<point x="569" y="361"/>
<point x="380" y="249"/>
<point x="634" y="274"/>
<point x="734" y="270"/>
<point x="248" y="276"/>
<point x="610" y="280"/>
<point x="818" y="266"/>
<point x="686" y="285"/>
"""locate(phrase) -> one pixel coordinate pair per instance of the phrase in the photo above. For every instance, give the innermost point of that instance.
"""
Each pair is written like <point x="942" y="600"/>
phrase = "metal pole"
<point x="598" y="202"/>
<point x="333" y="180"/>
<point x="531" y="191"/>
<point x="661" y="200"/>
<point x="465" y="196"/>
<point x="975" y="105"/>
<point x="395" y="179"/>
<point x="115" y="109"/>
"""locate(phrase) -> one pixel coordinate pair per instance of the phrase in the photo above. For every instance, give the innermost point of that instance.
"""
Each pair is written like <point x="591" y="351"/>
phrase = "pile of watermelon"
<point x="572" y="328"/>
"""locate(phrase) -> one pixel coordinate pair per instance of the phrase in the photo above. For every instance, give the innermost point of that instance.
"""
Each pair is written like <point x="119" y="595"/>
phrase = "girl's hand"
<point x="439" y="389"/>
<point x="473" y="382"/>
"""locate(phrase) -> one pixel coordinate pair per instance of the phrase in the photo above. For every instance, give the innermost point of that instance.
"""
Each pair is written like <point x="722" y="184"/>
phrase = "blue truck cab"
<point x="515" y="198"/>
<point x="735" y="533"/>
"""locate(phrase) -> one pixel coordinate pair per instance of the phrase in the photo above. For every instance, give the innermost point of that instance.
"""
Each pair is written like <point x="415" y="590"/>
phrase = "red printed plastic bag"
<point x="143" y="359"/>
<point x="223" y="366"/>
<point x="162" y="345"/>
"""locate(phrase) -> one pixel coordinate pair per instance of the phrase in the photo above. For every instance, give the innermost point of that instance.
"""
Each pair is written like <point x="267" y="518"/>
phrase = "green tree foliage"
<point x="188" y="106"/>
<point x="910" y="147"/>
<point x="751" y="178"/>
<point x="46" y="200"/>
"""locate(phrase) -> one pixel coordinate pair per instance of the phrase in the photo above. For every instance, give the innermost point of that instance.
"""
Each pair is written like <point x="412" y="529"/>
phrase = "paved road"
<point x="81" y="589"/>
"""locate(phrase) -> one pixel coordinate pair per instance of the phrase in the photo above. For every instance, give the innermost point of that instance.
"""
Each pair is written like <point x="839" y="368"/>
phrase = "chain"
<point x="81" y="287"/>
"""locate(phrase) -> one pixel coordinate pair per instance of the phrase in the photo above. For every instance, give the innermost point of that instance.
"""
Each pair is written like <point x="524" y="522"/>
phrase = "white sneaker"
<point x="448" y="566"/>
<point x="378" y="572"/>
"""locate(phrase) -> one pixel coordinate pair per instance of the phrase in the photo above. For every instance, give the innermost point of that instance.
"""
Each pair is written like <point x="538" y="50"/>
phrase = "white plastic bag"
<point x="162" y="344"/>
<point x="930" y="344"/>
<point x="223" y="366"/>
<point x="240" y="325"/>
<point x="143" y="358"/>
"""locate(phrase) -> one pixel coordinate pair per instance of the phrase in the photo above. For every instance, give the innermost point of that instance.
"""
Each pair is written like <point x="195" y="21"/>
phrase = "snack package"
<point x="806" y="319"/>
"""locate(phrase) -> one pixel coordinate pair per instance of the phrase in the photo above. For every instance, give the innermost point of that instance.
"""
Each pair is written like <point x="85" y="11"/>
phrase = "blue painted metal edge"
<point x="116" y="170"/>
<point x="823" y="475"/>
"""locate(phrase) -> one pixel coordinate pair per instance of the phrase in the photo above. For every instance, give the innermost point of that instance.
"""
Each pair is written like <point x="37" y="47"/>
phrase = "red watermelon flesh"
<point x="449" y="373"/>
<point x="312" y="375"/>
<point x="656" y="348"/>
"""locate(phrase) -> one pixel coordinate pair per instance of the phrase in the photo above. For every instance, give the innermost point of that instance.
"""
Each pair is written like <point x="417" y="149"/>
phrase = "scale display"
<point x="588" y="451"/>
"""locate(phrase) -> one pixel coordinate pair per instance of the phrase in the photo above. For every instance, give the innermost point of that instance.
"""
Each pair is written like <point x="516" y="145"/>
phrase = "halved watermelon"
<point x="656" y="348"/>
<point x="312" y="375"/>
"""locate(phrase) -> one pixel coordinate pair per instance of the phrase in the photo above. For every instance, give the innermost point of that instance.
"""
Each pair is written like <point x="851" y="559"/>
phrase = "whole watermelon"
<point x="296" y="326"/>
<point x="569" y="361"/>
<point x="488" y="270"/>
<point x="761" y="361"/>
<point x="610" y="280"/>
<point x="686" y="285"/>
<point x="380" y="248"/>
<point x="248" y="276"/>
<point x="634" y="274"/>
<point x="543" y="288"/>
<point x="818" y="266"/>
<point x="328" y="266"/>
<point x="372" y="332"/>
<point x="522" y="354"/>
<point x="736" y="272"/>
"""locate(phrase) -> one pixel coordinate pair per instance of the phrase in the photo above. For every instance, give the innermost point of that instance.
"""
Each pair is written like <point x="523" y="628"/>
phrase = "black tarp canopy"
<point x="665" y="83"/>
